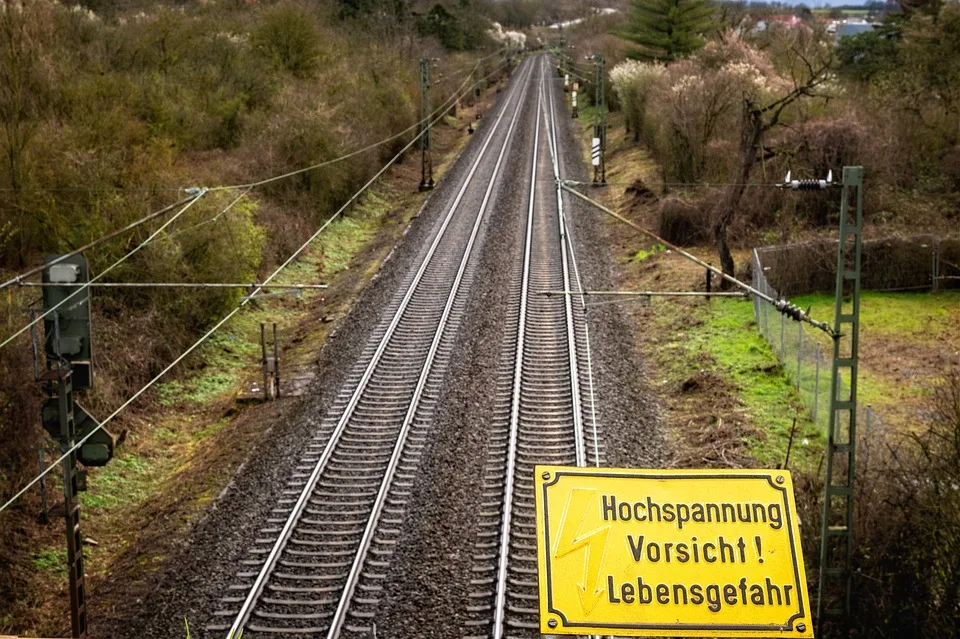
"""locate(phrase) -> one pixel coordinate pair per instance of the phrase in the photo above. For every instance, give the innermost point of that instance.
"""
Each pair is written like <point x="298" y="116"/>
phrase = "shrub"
<point x="633" y="81"/>
<point x="289" y="36"/>
<point x="682" y="222"/>
<point x="907" y="524"/>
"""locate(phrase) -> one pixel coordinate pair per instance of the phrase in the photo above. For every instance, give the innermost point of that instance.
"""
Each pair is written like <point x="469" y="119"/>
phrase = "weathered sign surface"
<point x="678" y="553"/>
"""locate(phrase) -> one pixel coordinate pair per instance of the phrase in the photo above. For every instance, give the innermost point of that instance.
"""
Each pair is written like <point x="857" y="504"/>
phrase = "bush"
<point x="907" y="524"/>
<point x="682" y="222"/>
<point x="289" y="36"/>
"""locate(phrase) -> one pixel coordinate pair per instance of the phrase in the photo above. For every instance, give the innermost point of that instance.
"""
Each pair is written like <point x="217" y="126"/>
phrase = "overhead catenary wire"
<point x="249" y="187"/>
<point x="649" y="293"/>
<point x="220" y="323"/>
<point x="781" y="305"/>
<point x="100" y="240"/>
<point x="120" y="261"/>
<point x="211" y="220"/>
<point x="675" y="184"/>
<point x="441" y="109"/>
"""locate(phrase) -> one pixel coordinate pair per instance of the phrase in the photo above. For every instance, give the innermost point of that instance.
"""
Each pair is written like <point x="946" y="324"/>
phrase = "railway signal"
<point x="68" y="350"/>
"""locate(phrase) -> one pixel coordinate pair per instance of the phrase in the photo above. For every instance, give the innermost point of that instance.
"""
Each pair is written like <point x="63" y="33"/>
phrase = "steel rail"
<point x="500" y="597"/>
<point x="353" y="577"/>
<point x="542" y="405"/>
<point x="568" y="243"/>
<point x="311" y="483"/>
<point x="571" y="337"/>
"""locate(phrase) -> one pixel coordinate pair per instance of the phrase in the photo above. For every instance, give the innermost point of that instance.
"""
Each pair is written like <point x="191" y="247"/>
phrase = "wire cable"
<point x="552" y="135"/>
<point x="677" y="184"/>
<point x="98" y="241"/>
<point x="208" y="221"/>
<point x="220" y="323"/>
<point x="250" y="186"/>
<point x="443" y="107"/>
<point x="123" y="259"/>
<point x="781" y="305"/>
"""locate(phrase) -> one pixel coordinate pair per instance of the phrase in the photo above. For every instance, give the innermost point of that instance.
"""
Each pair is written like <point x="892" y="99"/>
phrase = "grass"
<point x="923" y="316"/>
<point x="643" y="254"/>
<point x="229" y="354"/>
<point x="735" y="351"/>
<point x="902" y="342"/>
<point x="53" y="561"/>
<point x="916" y="323"/>
<point x="126" y="480"/>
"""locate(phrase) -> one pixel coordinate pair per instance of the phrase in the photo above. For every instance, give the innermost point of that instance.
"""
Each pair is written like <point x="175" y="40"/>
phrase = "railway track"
<point x="317" y="569"/>
<point x="544" y="402"/>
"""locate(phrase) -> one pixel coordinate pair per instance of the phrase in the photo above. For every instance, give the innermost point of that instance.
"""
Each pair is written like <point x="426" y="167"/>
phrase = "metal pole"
<point x="426" y="163"/>
<point x="816" y="387"/>
<point x="71" y="506"/>
<point x="783" y="343"/>
<point x="600" y="128"/>
<point x="276" y="363"/>
<point x="766" y="322"/>
<point x="836" y="559"/>
<point x="936" y="269"/>
<point x="263" y="351"/>
<point x="33" y="343"/>
<point x="799" y="352"/>
<point x="709" y="282"/>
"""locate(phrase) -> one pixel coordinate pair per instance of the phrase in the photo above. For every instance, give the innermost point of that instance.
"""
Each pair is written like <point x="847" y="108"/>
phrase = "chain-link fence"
<point x="801" y="349"/>
<point x="896" y="264"/>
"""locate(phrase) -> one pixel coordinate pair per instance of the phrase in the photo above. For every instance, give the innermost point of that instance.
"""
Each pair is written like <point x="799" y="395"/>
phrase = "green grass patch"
<point x="739" y="354"/>
<point x="53" y="561"/>
<point x="344" y="239"/>
<point x="917" y="316"/>
<point x="643" y="254"/>
<point x="212" y="429"/>
<point x="236" y="347"/>
<point x="914" y="318"/>
<point x="125" y="480"/>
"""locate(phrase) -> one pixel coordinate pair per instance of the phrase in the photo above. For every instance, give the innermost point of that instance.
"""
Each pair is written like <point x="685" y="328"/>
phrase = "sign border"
<point x="638" y="474"/>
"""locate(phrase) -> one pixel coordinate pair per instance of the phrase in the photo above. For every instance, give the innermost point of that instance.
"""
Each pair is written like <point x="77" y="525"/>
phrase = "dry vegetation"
<point x="107" y="111"/>
<point x="680" y="134"/>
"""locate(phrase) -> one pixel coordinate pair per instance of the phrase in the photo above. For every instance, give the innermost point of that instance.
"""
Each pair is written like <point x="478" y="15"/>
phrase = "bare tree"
<point x="809" y="64"/>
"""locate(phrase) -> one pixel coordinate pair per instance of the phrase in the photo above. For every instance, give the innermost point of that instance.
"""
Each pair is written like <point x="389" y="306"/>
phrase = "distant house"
<point x="787" y="20"/>
<point x="851" y="27"/>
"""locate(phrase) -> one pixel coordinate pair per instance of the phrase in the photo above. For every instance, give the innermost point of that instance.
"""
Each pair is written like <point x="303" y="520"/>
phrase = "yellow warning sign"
<point x="669" y="553"/>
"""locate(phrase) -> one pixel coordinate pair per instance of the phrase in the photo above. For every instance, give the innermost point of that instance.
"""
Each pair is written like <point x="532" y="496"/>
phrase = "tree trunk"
<point x="751" y="133"/>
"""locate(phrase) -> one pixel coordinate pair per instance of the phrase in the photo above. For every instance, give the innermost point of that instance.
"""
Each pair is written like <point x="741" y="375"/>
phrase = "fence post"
<point x="935" y="269"/>
<point x="766" y="322"/>
<point x="783" y="347"/>
<point x="816" y="388"/>
<point x="799" y="353"/>
<point x="44" y="515"/>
